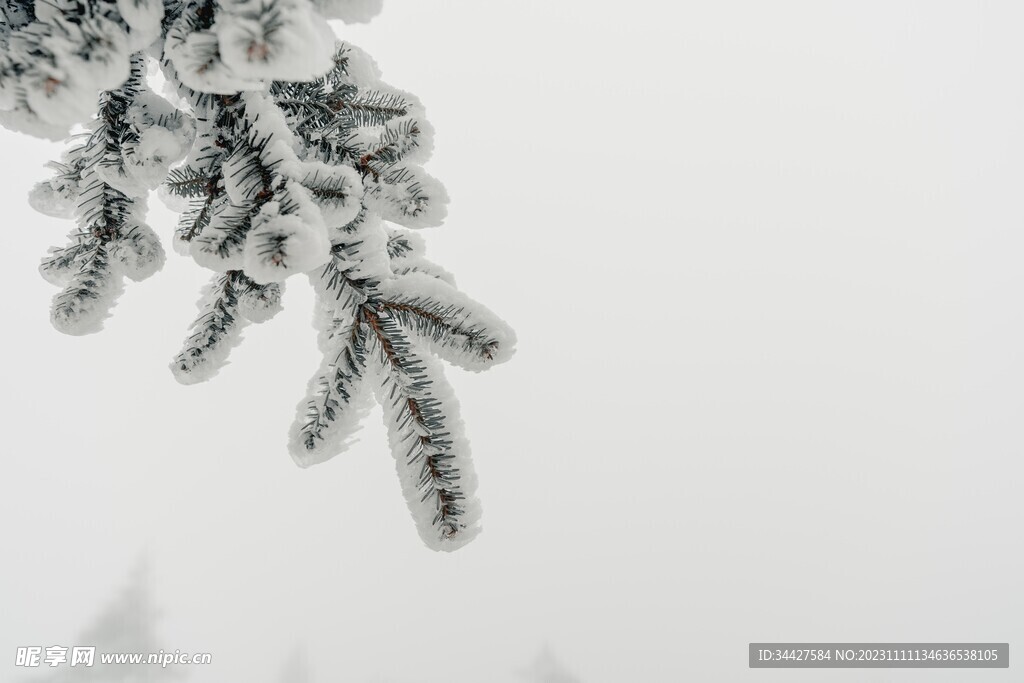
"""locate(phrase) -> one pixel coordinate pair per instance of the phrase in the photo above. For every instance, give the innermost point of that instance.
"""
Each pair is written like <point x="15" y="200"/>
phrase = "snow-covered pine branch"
<point x="295" y="158"/>
<point x="57" y="56"/>
<point x="103" y="183"/>
<point x="229" y="302"/>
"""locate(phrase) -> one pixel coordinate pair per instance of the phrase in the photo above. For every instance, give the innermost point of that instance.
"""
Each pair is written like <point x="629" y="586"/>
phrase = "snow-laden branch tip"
<point x="285" y="154"/>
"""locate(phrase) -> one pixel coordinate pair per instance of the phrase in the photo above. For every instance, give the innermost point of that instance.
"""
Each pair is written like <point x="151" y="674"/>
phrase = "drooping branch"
<point x="294" y="158"/>
<point x="105" y="180"/>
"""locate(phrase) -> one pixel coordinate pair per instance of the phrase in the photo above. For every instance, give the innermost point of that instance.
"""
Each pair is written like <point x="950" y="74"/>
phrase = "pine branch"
<point x="190" y="183"/>
<point x="395" y="143"/>
<point x="446" y="326"/>
<point x="257" y="302"/>
<point x="370" y="108"/>
<point x="338" y="400"/>
<point x="60" y="264"/>
<point x="111" y="241"/>
<point x="402" y="244"/>
<point x="294" y="156"/>
<point x="397" y="316"/>
<point x="215" y="331"/>
<point x="89" y="294"/>
<point x="423" y="424"/>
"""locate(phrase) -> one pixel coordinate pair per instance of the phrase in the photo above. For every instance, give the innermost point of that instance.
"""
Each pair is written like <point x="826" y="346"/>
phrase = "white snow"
<point x="341" y="206"/>
<point x="48" y="200"/>
<point x="295" y="44"/>
<point x="408" y="196"/>
<point x="139" y="252"/>
<point x="143" y="18"/>
<point x="281" y="245"/>
<point x="422" y="289"/>
<point x="260" y="304"/>
<point x="88" y="296"/>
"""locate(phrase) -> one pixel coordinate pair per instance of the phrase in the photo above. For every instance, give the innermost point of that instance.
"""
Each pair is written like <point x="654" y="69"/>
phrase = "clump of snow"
<point x="24" y="121"/>
<point x="281" y="245"/>
<point x="215" y="247"/>
<point x="294" y="43"/>
<point x="360" y="67"/>
<point x="197" y="63"/>
<point x="89" y="294"/>
<point x="139" y="252"/>
<point x="61" y="96"/>
<point x="143" y="18"/>
<point x="336" y="189"/>
<point x="408" y="196"/>
<point x="50" y="200"/>
<point x="260" y="303"/>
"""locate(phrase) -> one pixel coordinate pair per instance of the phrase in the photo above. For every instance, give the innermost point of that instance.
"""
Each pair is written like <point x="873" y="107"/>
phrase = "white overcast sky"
<point x="764" y="260"/>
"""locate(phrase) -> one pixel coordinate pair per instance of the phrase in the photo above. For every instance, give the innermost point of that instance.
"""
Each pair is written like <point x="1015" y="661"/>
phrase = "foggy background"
<point x="764" y="262"/>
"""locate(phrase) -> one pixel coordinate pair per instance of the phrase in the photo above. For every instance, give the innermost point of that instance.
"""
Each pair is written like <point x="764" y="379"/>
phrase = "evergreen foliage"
<point x="285" y="154"/>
